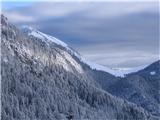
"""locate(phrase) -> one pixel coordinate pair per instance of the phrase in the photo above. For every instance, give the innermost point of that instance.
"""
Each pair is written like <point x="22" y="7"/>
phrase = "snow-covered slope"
<point x="125" y="71"/>
<point x="47" y="38"/>
<point x="36" y="85"/>
<point x="63" y="57"/>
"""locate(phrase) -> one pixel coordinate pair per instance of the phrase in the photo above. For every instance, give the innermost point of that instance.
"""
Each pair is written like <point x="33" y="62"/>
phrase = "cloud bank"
<point x="115" y="34"/>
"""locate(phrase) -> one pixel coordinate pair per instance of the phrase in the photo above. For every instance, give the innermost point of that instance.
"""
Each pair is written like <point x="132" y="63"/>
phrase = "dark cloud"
<point x="118" y="34"/>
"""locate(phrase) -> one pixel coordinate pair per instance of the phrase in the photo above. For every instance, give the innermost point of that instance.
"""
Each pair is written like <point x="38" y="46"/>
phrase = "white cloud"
<point x="57" y="9"/>
<point x="118" y="56"/>
<point x="92" y="9"/>
<point x="43" y="10"/>
<point x="111" y="53"/>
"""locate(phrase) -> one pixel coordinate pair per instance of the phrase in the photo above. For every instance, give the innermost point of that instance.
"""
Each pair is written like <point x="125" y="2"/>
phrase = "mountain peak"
<point x="30" y="31"/>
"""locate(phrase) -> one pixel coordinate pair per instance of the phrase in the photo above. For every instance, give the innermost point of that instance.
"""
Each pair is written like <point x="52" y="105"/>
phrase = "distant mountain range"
<point x="44" y="79"/>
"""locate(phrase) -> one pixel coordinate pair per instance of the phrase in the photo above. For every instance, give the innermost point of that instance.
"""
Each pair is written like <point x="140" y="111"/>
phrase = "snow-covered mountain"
<point x="44" y="79"/>
<point x="47" y="38"/>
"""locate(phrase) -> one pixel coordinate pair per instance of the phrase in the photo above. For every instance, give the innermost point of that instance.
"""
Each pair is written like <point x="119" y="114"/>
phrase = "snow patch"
<point x="36" y="34"/>
<point x="5" y="60"/>
<point x="61" y="61"/>
<point x="31" y="31"/>
<point x="152" y="73"/>
<point x="125" y="71"/>
<point x="55" y="40"/>
<point x="74" y="63"/>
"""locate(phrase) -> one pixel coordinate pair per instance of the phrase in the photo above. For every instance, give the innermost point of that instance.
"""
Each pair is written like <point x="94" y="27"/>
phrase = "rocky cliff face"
<point x="44" y="80"/>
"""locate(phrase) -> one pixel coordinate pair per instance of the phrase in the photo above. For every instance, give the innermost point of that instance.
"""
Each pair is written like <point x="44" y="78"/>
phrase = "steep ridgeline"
<point x="140" y="88"/>
<point x="43" y="79"/>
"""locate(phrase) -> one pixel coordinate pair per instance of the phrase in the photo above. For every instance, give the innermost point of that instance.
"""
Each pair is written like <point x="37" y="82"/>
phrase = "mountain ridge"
<point x="39" y="82"/>
<point x="116" y="72"/>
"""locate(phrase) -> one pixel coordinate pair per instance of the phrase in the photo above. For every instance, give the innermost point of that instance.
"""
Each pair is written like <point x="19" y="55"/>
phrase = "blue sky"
<point x="114" y="34"/>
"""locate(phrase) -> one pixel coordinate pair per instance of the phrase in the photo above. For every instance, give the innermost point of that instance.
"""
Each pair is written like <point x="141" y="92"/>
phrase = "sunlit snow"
<point x="152" y="73"/>
<point x="118" y="72"/>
